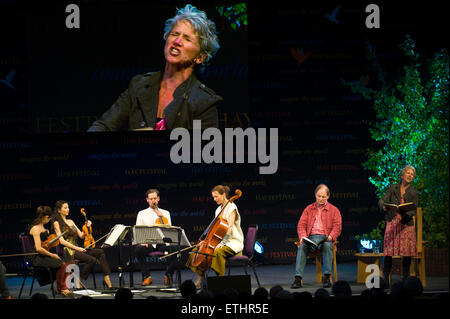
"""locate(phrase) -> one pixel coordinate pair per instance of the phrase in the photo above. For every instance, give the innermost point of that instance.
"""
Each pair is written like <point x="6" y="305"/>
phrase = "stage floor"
<point x="269" y="276"/>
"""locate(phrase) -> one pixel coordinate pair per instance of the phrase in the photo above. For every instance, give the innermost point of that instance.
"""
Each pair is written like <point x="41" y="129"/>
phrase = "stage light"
<point x="258" y="248"/>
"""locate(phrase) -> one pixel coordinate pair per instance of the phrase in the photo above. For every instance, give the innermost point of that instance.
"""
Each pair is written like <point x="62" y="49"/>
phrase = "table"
<point x="363" y="261"/>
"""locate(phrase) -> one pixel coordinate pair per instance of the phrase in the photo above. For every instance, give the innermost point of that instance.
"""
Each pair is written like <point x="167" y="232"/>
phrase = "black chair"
<point x="42" y="274"/>
<point x="245" y="260"/>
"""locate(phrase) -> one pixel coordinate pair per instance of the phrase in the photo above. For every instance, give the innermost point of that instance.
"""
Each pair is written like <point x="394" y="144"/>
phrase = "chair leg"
<point x="254" y="272"/>
<point x="23" y="283"/>
<point x="334" y="265"/>
<point x="318" y="269"/>
<point x="421" y="270"/>
<point x="32" y="284"/>
<point x="245" y="269"/>
<point x="51" y="282"/>
<point x="93" y="278"/>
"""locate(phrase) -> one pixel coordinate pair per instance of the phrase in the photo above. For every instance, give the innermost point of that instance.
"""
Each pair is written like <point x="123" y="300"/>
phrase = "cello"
<point x="211" y="237"/>
<point x="89" y="240"/>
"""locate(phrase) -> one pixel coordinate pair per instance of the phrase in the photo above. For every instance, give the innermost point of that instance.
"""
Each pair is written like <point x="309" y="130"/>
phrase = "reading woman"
<point x="400" y="235"/>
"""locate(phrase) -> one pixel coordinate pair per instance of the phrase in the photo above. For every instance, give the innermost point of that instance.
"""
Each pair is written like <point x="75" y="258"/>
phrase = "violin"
<point x="52" y="241"/>
<point x="212" y="236"/>
<point x="89" y="240"/>
<point x="161" y="220"/>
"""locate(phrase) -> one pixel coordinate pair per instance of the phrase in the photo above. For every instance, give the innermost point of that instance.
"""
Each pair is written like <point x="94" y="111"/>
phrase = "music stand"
<point x="177" y="235"/>
<point x="119" y="235"/>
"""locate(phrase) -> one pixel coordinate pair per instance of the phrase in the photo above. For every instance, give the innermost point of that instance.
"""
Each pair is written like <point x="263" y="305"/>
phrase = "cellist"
<point x="231" y="244"/>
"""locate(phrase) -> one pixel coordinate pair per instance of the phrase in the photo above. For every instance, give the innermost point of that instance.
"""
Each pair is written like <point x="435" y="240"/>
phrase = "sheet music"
<point x="116" y="231"/>
<point x="155" y="235"/>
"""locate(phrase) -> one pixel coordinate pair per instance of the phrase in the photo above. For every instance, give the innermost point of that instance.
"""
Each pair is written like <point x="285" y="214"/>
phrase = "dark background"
<point x="72" y="76"/>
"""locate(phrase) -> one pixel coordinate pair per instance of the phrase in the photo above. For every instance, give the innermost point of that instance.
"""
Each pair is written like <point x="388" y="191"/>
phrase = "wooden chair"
<point x="420" y="258"/>
<point x="317" y="254"/>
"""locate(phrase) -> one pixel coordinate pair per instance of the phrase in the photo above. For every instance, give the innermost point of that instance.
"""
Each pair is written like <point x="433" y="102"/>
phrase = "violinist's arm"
<point x="37" y="244"/>
<point x="79" y="232"/>
<point x="65" y="242"/>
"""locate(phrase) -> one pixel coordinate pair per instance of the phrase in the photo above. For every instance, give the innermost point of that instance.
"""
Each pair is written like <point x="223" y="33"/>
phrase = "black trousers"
<point x="90" y="258"/>
<point x="387" y="267"/>
<point x="142" y="252"/>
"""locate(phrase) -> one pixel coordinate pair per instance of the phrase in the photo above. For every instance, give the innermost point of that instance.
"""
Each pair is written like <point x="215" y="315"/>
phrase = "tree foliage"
<point x="411" y="127"/>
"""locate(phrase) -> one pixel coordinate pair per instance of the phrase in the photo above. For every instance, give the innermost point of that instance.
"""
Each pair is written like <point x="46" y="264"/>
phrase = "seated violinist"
<point x="69" y="240"/>
<point x="232" y="243"/>
<point x="45" y="258"/>
<point x="150" y="216"/>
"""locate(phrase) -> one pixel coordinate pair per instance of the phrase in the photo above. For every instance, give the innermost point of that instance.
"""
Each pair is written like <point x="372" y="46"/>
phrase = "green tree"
<point x="412" y="128"/>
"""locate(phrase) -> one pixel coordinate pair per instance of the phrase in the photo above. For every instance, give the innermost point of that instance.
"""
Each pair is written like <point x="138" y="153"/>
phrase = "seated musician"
<point x="45" y="258"/>
<point x="72" y="251"/>
<point x="320" y="222"/>
<point x="153" y="215"/>
<point x="232" y="243"/>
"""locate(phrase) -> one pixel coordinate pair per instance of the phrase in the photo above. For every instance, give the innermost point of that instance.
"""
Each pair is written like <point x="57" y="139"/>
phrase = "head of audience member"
<point x="398" y="292"/>
<point x="123" y="294"/>
<point x="413" y="286"/>
<point x="321" y="294"/>
<point x="261" y="294"/>
<point x="341" y="290"/>
<point x="39" y="296"/>
<point x="274" y="291"/>
<point x="188" y="289"/>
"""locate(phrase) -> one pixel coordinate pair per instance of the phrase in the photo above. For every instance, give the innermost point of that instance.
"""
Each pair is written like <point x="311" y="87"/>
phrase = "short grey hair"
<point x="320" y="186"/>
<point x="205" y="29"/>
<point x="407" y="167"/>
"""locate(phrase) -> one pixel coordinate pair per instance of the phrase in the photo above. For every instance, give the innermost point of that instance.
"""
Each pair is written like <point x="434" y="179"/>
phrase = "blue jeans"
<point x="327" y="255"/>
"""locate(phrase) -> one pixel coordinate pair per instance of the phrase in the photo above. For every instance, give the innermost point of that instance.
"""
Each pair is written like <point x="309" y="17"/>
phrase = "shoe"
<point x="105" y="286"/>
<point x="326" y="281"/>
<point x="168" y="280"/>
<point x="147" y="281"/>
<point x="297" y="283"/>
<point x="198" y="285"/>
<point x="66" y="293"/>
